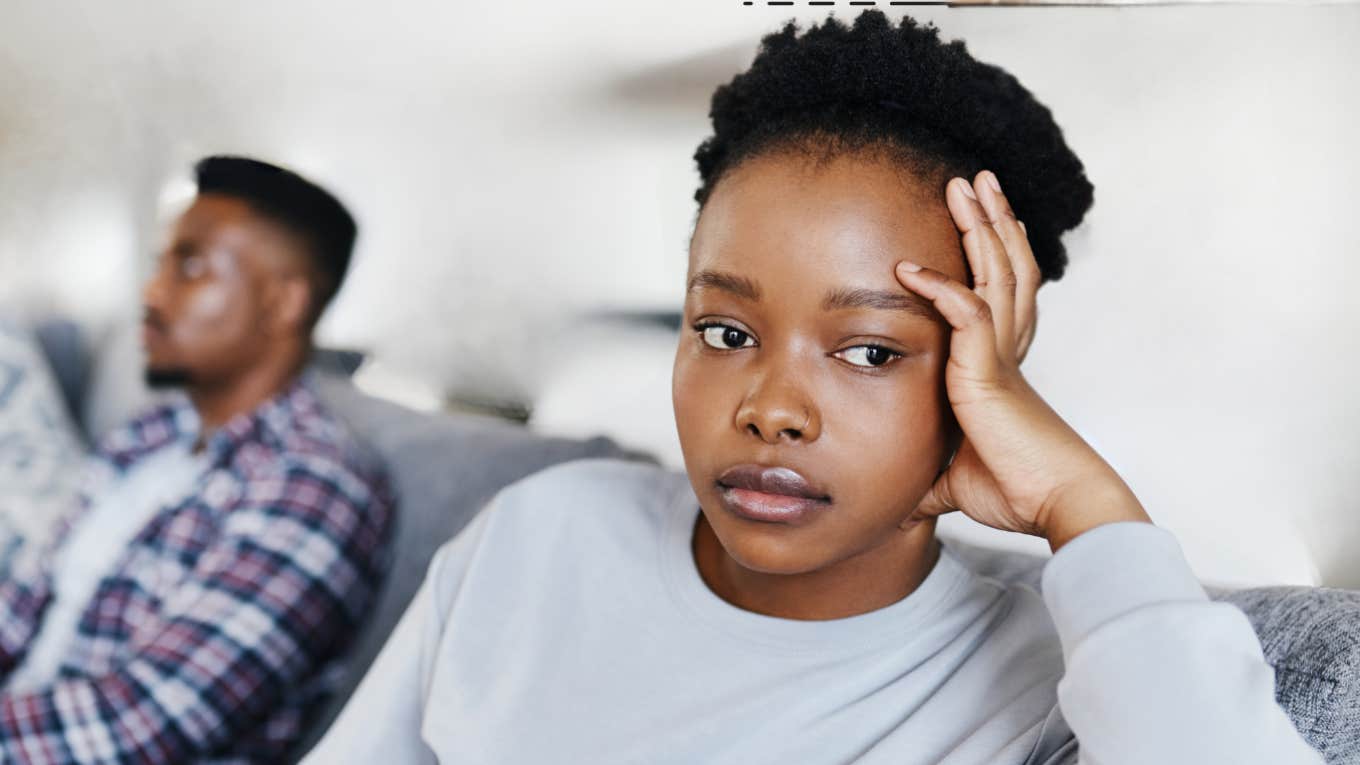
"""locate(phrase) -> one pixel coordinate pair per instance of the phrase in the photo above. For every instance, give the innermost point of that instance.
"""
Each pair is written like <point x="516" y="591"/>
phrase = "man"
<point x="225" y="551"/>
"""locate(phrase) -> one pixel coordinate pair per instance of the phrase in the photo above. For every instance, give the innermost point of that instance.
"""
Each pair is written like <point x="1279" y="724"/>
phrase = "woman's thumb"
<point x="936" y="502"/>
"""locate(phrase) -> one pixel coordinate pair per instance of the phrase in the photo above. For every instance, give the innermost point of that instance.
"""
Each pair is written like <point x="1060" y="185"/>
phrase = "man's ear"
<point x="292" y="304"/>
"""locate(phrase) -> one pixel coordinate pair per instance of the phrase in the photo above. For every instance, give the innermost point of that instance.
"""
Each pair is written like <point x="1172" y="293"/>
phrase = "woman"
<point x="856" y="313"/>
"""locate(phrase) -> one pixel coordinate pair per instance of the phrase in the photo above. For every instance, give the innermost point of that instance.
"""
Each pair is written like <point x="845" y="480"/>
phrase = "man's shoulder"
<point x="313" y="429"/>
<point x="302" y="437"/>
<point x="302" y="462"/>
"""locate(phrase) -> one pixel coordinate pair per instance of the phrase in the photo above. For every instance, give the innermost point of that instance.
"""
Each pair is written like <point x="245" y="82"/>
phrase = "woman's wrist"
<point x="1080" y="507"/>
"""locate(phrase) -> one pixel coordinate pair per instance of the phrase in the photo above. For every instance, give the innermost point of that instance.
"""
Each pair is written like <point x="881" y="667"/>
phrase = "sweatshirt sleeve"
<point x="1155" y="671"/>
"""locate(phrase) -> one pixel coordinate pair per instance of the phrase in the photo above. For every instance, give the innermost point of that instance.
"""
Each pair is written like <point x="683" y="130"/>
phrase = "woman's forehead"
<point x="852" y="217"/>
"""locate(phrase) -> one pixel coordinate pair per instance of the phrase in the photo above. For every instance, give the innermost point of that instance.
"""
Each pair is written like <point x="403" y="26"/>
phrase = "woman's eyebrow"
<point x="889" y="300"/>
<point x="737" y="285"/>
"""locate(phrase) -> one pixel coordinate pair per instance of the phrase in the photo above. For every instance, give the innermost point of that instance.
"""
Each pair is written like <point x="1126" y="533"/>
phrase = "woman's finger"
<point x="1016" y="240"/>
<point x="935" y="503"/>
<point x="1026" y="337"/>
<point x="972" y="345"/>
<point x="993" y="278"/>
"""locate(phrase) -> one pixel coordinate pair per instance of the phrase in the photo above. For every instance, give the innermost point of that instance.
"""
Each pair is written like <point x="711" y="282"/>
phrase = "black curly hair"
<point x="878" y="88"/>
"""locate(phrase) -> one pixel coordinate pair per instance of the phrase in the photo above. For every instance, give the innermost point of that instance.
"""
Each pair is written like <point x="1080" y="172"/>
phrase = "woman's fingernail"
<point x="968" y="189"/>
<point x="993" y="182"/>
<point x="907" y="265"/>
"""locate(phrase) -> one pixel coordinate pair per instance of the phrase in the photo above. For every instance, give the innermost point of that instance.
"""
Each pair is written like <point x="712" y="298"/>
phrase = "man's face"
<point x="803" y="352"/>
<point x="212" y="307"/>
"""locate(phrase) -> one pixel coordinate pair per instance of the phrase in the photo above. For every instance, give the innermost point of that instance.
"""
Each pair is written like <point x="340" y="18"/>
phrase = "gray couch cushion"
<point x="1310" y="635"/>
<point x="64" y="347"/>
<point x="444" y="469"/>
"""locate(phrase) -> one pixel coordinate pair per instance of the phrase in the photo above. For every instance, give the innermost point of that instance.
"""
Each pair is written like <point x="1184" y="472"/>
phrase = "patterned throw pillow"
<point x="41" y="455"/>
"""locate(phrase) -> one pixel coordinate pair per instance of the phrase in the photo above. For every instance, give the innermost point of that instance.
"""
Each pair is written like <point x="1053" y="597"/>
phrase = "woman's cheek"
<point x="695" y="396"/>
<point x="889" y="424"/>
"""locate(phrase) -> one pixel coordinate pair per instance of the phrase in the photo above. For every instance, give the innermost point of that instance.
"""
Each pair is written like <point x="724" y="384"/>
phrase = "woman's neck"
<point x="873" y="579"/>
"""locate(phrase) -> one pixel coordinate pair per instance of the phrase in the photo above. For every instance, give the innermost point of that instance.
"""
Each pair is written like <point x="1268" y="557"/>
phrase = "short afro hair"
<point x="307" y="210"/>
<point x="874" y="86"/>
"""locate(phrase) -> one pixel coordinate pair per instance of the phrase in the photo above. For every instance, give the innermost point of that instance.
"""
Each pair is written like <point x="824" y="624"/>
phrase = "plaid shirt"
<point x="222" y="623"/>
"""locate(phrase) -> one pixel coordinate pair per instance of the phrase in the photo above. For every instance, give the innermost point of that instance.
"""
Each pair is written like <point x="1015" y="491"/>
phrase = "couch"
<point x="447" y="466"/>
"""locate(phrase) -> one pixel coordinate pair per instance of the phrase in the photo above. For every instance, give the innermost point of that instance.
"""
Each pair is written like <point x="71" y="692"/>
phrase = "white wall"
<point x="512" y="163"/>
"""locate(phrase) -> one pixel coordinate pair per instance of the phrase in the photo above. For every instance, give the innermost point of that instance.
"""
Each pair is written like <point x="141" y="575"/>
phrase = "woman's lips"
<point x="770" y="494"/>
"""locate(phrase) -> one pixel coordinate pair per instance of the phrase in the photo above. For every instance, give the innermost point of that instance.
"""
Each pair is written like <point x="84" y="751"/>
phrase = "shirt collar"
<point x="270" y="422"/>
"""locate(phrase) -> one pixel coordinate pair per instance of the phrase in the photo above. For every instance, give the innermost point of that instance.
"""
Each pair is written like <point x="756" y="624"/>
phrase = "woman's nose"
<point x="777" y="410"/>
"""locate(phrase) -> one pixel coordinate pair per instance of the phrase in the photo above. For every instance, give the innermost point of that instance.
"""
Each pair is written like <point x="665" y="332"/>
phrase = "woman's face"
<point x="808" y="384"/>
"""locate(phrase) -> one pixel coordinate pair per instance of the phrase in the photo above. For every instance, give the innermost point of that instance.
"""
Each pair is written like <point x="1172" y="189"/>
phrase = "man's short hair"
<point x="292" y="201"/>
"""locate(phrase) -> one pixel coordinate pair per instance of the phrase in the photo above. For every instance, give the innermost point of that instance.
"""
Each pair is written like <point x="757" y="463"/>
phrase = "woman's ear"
<point x="952" y="441"/>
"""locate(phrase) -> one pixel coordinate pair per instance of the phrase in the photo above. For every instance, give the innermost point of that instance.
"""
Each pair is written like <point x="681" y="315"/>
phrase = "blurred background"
<point x="523" y="178"/>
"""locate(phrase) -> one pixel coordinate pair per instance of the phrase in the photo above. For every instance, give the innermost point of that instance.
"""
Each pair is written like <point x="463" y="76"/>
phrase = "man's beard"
<point x="161" y="379"/>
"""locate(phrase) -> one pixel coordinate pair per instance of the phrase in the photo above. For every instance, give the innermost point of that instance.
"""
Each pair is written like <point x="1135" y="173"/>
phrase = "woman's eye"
<point x="868" y="355"/>
<point x="725" y="338"/>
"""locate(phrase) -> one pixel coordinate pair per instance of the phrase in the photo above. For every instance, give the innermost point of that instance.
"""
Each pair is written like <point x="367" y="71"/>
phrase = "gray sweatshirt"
<point x="568" y="624"/>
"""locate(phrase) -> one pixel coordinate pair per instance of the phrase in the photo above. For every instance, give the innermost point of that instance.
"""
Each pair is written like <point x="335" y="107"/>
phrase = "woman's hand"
<point x="1020" y="467"/>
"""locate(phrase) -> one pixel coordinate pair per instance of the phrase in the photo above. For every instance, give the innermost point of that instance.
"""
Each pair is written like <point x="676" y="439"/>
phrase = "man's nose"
<point x="779" y="409"/>
<point x="153" y="292"/>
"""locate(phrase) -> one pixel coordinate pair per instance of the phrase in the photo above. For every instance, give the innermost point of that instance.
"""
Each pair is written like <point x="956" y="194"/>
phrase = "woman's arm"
<point x="1154" y="671"/>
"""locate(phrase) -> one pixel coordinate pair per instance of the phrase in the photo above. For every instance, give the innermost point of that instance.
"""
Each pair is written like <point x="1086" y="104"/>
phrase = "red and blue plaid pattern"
<point x="224" y="620"/>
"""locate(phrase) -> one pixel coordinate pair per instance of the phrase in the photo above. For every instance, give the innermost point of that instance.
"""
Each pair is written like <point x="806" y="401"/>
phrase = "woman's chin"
<point x="761" y="553"/>
<point x="789" y="551"/>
